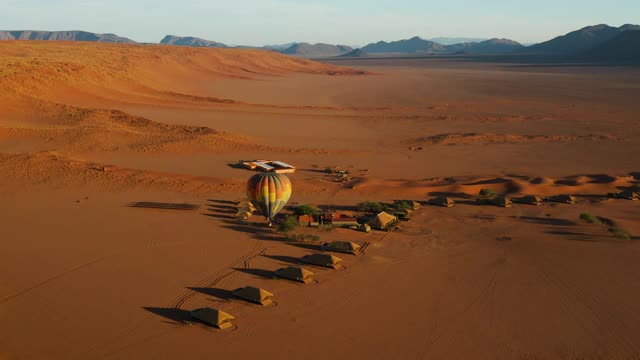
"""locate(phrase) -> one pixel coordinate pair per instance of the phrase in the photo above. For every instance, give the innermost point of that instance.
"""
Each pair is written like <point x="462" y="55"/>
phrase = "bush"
<point x="306" y="210"/>
<point x="619" y="233"/>
<point x="403" y="204"/>
<point x="371" y="207"/>
<point x="590" y="218"/>
<point x="288" y="225"/>
<point x="487" y="193"/>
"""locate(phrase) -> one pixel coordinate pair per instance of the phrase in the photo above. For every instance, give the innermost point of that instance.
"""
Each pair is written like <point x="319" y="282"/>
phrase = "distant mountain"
<point x="413" y="45"/>
<point x="354" y="54"/>
<point x="62" y="36"/>
<point x="456" y="40"/>
<point x="279" y="47"/>
<point x="316" y="50"/>
<point x="191" y="41"/>
<point x="578" y="41"/>
<point x="492" y="46"/>
<point x="418" y="45"/>
<point x="623" y="47"/>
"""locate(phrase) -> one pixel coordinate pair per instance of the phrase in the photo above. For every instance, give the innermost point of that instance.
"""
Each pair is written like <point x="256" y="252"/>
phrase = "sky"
<point x="349" y="22"/>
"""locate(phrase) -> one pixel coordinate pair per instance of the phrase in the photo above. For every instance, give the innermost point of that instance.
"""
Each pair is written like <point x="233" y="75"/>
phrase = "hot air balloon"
<point x="269" y="192"/>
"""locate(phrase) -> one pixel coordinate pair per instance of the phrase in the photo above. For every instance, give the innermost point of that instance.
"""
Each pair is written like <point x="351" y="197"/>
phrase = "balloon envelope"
<point x="269" y="192"/>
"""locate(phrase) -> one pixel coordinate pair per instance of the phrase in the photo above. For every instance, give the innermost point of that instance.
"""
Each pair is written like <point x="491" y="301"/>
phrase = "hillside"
<point x="624" y="47"/>
<point x="413" y="45"/>
<point x="354" y="54"/>
<point x="578" y="41"/>
<point x="191" y="41"/>
<point x="316" y="50"/>
<point x="492" y="46"/>
<point x="62" y="36"/>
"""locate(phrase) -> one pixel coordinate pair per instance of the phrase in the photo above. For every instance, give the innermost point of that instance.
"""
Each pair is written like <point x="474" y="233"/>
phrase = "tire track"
<point x="50" y="279"/>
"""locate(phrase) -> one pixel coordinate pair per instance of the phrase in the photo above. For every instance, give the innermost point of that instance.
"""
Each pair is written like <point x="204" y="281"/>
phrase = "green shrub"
<point x="306" y="210"/>
<point x="403" y="204"/>
<point x="487" y="193"/>
<point x="288" y="225"/>
<point x="590" y="218"/>
<point x="619" y="233"/>
<point x="371" y="207"/>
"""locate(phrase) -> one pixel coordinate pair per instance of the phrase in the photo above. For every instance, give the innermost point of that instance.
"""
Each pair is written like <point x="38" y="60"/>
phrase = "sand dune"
<point x="87" y="130"/>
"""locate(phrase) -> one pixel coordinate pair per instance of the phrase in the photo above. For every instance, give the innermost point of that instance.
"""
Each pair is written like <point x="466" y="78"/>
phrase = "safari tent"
<point x="324" y="260"/>
<point x="214" y="317"/>
<point x="295" y="273"/>
<point x="365" y="228"/>
<point x="413" y="205"/>
<point x="567" y="199"/>
<point x="254" y="294"/>
<point x="441" y="201"/>
<point x="627" y="194"/>
<point x="501" y="201"/>
<point x="245" y="206"/>
<point x="243" y="215"/>
<point x="382" y="221"/>
<point x="341" y="247"/>
<point x="528" y="200"/>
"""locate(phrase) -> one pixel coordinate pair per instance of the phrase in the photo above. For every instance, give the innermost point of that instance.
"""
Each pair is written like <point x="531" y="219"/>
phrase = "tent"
<point x="567" y="199"/>
<point x="365" y="228"/>
<point x="243" y="215"/>
<point x="382" y="221"/>
<point x="245" y="205"/>
<point x="528" y="199"/>
<point x="342" y="247"/>
<point x="254" y="294"/>
<point x="325" y="260"/>
<point x="501" y="201"/>
<point x="295" y="273"/>
<point x="413" y="205"/>
<point x="627" y="194"/>
<point x="214" y="317"/>
<point x="442" y="201"/>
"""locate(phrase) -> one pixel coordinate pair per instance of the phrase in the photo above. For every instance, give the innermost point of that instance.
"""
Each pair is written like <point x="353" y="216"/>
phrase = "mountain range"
<point x="62" y="36"/>
<point x="579" y="41"/>
<point x="191" y="41"/>
<point x="593" y="42"/>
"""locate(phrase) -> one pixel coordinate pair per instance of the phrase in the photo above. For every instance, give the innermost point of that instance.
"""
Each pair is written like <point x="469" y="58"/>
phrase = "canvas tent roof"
<point x="626" y="194"/>
<point x="382" y="220"/>
<point x="442" y="201"/>
<point x="254" y="294"/>
<point x="567" y="199"/>
<point x="342" y="246"/>
<point x="217" y="318"/>
<point x="528" y="199"/>
<point x="245" y="205"/>
<point x="501" y="201"/>
<point x="295" y="273"/>
<point x="325" y="260"/>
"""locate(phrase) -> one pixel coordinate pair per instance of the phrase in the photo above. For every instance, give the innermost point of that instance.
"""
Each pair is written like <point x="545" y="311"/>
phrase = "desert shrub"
<point x="487" y="193"/>
<point x="402" y="205"/>
<point x="314" y="237"/>
<point x="371" y="207"/>
<point x="288" y="225"/>
<point x="306" y="210"/>
<point x="619" y="233"/>
<point x="590" y="218"/>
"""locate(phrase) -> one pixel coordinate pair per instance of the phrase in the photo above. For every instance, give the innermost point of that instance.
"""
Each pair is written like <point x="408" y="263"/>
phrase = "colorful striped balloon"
<point x="269" y="192"/>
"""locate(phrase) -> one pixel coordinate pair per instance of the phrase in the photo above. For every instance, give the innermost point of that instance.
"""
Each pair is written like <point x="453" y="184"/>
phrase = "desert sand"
<point x="86" y="129"/>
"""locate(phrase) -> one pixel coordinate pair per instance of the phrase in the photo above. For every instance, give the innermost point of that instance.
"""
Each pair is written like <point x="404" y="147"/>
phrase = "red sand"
<point x="86" y="129"/>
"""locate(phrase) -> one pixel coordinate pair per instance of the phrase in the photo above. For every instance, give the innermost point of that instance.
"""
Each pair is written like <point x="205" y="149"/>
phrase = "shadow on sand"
<point x="221" y="294"/>
<point x="177" y="316"/>
<point x="259" y="273"/>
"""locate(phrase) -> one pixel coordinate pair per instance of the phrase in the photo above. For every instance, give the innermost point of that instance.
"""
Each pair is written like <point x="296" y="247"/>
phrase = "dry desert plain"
<point x="87" y="128"/>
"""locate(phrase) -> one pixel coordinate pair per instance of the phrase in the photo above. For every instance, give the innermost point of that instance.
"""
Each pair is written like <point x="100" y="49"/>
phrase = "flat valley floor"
<point x="85" y="276"/>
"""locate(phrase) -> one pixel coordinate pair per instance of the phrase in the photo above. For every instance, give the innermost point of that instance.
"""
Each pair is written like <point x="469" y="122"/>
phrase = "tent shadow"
<point x="286" y="259"/>
<point x="229" y="202"/>
<point x="312" y="247"/>
<point x="259" y="273"/>
<point x="545" y="221"/>
<point x="175" y="315"/>
<point x="221" y="294"/>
